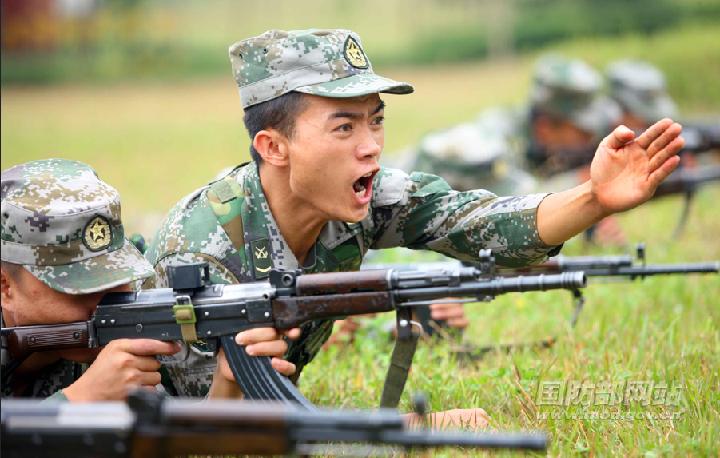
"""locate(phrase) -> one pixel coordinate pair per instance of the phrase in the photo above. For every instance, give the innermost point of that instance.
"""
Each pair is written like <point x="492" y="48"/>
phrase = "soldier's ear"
<point x="6" y="287"/>
<point x="271" y="145"/>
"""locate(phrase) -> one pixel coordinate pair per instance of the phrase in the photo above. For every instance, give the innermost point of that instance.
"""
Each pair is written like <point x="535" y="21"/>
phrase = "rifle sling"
<point x="254" y="374"/>
<point x="397" y="373"/>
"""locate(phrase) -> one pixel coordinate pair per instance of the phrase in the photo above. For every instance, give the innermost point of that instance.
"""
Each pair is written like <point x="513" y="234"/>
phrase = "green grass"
<point x="664" y="329"/>
<point x="158" y="141"/>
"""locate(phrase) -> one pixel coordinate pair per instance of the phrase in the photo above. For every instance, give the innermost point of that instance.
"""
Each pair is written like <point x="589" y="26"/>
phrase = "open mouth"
<point x="363" y="185"/>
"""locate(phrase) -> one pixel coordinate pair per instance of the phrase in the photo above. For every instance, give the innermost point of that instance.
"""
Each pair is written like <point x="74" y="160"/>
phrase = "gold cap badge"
<point x="354" y="53"/>
<point x="97" y="234"/>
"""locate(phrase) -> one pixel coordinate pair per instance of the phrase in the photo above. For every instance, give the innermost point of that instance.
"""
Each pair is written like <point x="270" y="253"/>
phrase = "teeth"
<point x="358" y="187"/>
<point x="367" y="175"/>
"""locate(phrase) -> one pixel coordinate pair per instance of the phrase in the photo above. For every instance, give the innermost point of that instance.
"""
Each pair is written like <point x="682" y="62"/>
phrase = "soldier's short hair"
<point x="279" y="113"/>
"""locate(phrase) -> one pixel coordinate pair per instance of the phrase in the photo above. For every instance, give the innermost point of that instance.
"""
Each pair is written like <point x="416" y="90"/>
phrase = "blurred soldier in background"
<point x="639" y="89"/>
<point x="565" y="118"/>
<point x="567" y="115"/>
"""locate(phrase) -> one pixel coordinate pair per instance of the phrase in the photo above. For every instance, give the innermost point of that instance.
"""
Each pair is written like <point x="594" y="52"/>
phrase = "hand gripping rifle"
<point x="192" y="309"/>
<point x="148" y="425"/>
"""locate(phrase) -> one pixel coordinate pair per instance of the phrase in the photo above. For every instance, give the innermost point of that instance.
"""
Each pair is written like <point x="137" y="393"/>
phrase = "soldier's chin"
<point x="358" y="215"/>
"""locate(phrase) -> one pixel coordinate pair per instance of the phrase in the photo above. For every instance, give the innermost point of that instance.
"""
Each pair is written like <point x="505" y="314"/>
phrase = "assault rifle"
<point x="613" y="266"/>
<point x="193" y="309"/>
<point x="687" y="181"/>
<point x="148" y="425"/>
<point x="701" y="137"/>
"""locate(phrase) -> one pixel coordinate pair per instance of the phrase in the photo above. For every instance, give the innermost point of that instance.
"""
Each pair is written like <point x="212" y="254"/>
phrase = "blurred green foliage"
<point x="168" y="38"/>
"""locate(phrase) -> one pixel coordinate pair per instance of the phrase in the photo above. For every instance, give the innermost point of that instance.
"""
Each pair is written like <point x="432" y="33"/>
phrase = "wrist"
<point x="594" y="206"/>
<point x="73" y="393"/>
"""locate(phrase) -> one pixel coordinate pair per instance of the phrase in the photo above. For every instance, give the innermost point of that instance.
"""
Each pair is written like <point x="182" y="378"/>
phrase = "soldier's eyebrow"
<point x="354" y="114"/>
<point x="380" y="107"/>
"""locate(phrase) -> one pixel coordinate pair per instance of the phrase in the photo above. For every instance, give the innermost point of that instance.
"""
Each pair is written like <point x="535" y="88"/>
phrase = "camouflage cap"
<point x="62" y="223"/>
<point x="639" y="88"/>
<point x="328" y="63"/>
<point x="570" y="89"/>
<point x="472" y="156"/>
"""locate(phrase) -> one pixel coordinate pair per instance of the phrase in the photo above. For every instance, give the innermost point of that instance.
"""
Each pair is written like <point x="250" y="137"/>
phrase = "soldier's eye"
<point x="347" y="127"/>
<point x="379" y="120"/>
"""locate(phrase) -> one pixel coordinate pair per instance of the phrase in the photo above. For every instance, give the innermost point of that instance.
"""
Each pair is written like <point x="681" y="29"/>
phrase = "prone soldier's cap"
<point x="639" y="88"/>
<point x="62" y="223"/>
<point x="472" y="156"/>
<point x="328" y="63"/>
<point x="570" y="89"/>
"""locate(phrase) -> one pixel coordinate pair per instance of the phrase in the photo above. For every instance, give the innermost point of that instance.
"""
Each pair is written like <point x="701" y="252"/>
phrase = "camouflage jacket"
<point x="228" y="223"/>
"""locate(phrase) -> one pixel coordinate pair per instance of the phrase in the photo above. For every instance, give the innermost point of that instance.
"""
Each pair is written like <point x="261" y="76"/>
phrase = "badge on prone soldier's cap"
<point x="97" y="234"/>
<point x="354" y="53"/>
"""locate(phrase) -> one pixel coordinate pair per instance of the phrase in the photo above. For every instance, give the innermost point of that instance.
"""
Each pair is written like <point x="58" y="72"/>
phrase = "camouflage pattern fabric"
<point x="229" y="224"/>
<point x="49" y="383"/>
<point x="482" y="153"/>
<point x="329" y="63"/>
<point x="571" y="89"/>
<point x="62" y="223"/>
<point x="639" y="88"/>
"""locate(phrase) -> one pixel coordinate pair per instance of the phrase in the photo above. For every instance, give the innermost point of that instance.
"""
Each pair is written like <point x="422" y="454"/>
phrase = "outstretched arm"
<point x="624" y="173"/>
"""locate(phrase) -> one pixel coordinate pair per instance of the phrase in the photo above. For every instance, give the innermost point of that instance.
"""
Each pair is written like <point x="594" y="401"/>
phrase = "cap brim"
<point x="357" y="85"/>
<point x="599" y="117"/>
<point x="95" y="274"/>
<point x="655" y="110"/>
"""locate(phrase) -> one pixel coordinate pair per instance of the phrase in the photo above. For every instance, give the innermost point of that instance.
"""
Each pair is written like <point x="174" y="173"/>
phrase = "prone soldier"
<point x="639" y="89"/>
<point x="63" y="248"/>
<point x="315" y="198"/>
<point x="558" y="130"/>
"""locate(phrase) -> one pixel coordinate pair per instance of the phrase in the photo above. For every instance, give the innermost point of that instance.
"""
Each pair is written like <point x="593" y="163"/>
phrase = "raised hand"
<point x="626" y="170"/>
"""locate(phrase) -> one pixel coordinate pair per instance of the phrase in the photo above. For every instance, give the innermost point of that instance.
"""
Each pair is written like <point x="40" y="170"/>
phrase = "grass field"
<point x="156" y="142"/>
<point x="660" y="330"/>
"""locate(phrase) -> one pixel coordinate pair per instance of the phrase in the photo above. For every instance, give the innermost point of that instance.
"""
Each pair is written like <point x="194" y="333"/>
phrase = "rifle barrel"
<point x="496" y="286"/>
<point x="661" y="269"/>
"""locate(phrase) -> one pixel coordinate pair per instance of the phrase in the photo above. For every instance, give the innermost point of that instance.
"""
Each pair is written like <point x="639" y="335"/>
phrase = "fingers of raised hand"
<point x="662" y="172"/>
<point x="284" y="367"/>
<point x="671" y="133"/>
<point x="618" y="137"/>
<point x="666" y="153"/>
<point x="653" y="132"/>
